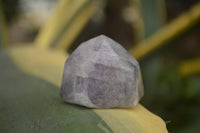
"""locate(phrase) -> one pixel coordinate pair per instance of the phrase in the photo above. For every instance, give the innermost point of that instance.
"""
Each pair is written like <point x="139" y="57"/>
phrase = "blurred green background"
<point x="170" y="72"/>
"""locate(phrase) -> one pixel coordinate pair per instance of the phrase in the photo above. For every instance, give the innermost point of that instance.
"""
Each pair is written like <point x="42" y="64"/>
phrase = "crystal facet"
<point x="100" y="73"/>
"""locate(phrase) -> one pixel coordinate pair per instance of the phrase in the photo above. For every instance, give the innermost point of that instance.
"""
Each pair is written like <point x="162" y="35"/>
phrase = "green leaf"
<point x="29" y="100"/>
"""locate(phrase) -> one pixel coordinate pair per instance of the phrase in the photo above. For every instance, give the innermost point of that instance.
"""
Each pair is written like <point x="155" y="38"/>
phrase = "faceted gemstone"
<point x="100" y="73"/>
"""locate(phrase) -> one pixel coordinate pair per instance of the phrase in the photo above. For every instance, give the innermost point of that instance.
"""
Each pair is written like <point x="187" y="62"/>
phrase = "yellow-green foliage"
<point x="190" y="67"/>
<point x="167" y="33"/>
<point x="69" y="17"/>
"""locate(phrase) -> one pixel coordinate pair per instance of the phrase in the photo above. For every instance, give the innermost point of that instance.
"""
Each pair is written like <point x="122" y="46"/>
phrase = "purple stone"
<point x="100" y="73"/>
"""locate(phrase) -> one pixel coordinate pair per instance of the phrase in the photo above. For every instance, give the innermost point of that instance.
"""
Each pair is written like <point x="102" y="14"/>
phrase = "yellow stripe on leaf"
<point x="45" y="64"/>
<point x="132" y="120"/>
